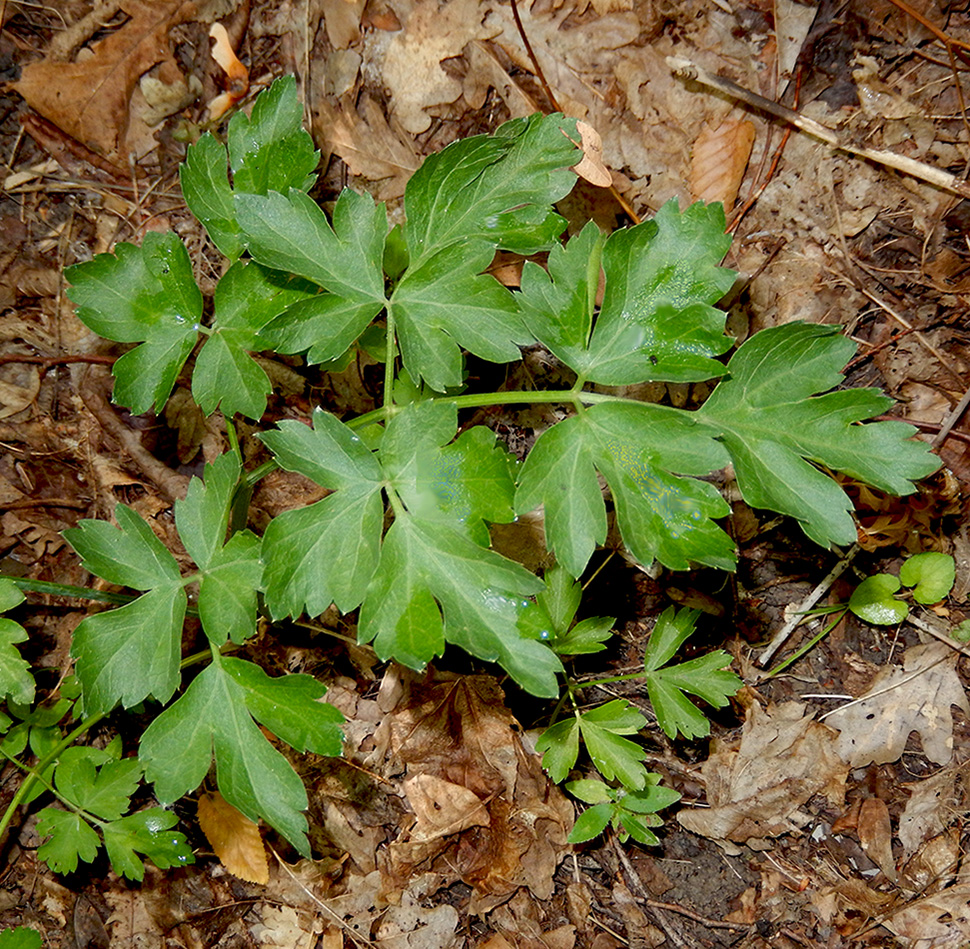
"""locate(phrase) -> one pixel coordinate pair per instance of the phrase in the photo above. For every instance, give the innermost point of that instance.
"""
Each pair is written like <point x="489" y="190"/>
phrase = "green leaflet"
<point x="768" y="416"/>
<point x="216" y="716"/>
<point x="133" y="652"/>
<point x="292" y="233"/>
<point x="16" y="682"/>
<point x="656" y="321"/>
<point x="268" y="151"/>
<point x="637" y="447"/>
<point x="140" y="294"/>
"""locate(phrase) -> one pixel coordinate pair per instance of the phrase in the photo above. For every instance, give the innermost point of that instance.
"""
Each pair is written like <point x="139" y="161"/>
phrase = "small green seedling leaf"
<point x="267" y="151"/>
<point x="932" y="574"/>
<point x="16" y="682"/>
<point x="70" y="839"/>
<point x="603" y="730"/>
<point x="141" y="294"/>
<point x="560" y="598"/>
<point x="147" y="832"/>
<point x="21" y="937"/>
<point x="707" y="677"/>
<point x="961" y="632"/>
<point x="632" y="813"/>
<point x="873" y="600"/>
<point x="586" y="637"/>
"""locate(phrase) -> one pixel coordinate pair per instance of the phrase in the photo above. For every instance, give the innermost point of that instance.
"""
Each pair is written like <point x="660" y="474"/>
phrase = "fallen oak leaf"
<point x="89" y="99"/>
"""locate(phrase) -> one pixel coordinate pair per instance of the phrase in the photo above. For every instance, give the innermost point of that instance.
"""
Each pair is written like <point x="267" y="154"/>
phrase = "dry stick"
<point x="917" y="169"/>
<point x="951" y="420"/>
<point x="778" y="640"/>
<point x="48" y="362"/>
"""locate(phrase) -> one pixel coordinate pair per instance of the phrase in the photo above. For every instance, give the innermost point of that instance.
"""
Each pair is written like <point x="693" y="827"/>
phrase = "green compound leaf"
<point x="497" y="188"/>
<point x="215" y="715"/>
<point x="656" y="321"/>
<point x="247" y="297"/>
<point x="147" y="832"/>
<point x="637" y="448"/>
<point x="603" y="730"/>
<point x="707" y="677"/>
<point x="140" y="294"/>
<point x="16" y="682"/>
<point x="931" y="573"/>
<point x="70" y="839"/>
<point x="586" y="637"/>
<point x="774" y="425"/>
<point x="873" y="600"/>
<point x="290" y="232"/>
<point x="269" y="150"/>
<point x="326" y="552"/>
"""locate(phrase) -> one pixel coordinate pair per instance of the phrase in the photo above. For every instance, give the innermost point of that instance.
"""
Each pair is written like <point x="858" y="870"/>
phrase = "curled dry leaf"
<point x="719" y="158"/>
<point x="234" y="838"/>
<point x="237" y="74"/>
<point x="875" y="835"/>
<point x="591" y="167"/>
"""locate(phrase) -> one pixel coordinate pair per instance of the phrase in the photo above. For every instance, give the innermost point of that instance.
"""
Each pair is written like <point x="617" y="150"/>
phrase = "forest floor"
<point x="802" y="846"/>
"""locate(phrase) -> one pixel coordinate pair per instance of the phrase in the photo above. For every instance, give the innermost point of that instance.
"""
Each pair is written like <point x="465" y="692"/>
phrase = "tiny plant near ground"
<point x="298" y="281"/>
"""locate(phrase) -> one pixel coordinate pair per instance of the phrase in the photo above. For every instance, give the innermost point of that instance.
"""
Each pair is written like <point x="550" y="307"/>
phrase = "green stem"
<point x="78" y="593"/>
<point x="804" y="649"/>
<point x="41" y="765"/>
<point x="388" y="401"/>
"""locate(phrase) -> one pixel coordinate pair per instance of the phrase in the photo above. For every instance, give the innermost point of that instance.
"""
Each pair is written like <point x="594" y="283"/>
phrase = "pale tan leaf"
<point x="755" y="787"/>
<point x="234" y="838"/>
<point x="927" y="811"/>
<point x="916" y="698"/>
<point x="719" y="158"/>
<point x="442" y="808"/>
<point x="940" y="920"/>
<point x="591" y="167"/>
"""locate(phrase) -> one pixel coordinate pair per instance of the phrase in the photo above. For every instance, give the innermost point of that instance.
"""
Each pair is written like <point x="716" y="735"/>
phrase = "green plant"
<point x="22" y="937"/>
<point x="874" y="600"/>
<point x="418" y="295"/>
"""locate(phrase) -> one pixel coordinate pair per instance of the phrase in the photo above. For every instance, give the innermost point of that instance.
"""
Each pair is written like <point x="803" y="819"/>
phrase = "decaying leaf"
<point x="875" y="834"/>
<point x="485" y="811"/>
<point x="719" y="158"/>
<point x="937" y="921"/>
<point x="89" y="99"/>
<point x="234" y="838"/>
<point x="412" y="68"/>
<point x="928" y="810"/>
<point x="756" y="786"/>
<point x="916" y="698"/>
<point x="237" y="75"/>
<point x="367" y="144"/>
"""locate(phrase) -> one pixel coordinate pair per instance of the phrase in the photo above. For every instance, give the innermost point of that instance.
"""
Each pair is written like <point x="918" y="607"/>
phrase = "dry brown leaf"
<point x="875" y="834"/>
<point x="718" y="160"/>
<point x="591" y="167"/>
<point x="442" y="808"/>
<point x="89" y="99"/>
<point x="928" y="810"/>
<point x="412" y="68"/>
<point x="234" y="838"/>
<point x="916" y="698"/>
<point x="237" y="74"/>
<point x="511" y="823"/>
<point x="940" y="921"/>
<point x="756" y="786"/>
<point x="933" y="867"/>
<point x="367" y="144"/>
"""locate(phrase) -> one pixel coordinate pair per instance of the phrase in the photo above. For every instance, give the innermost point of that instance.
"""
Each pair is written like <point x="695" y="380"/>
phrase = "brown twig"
<point x="48" y="362"/>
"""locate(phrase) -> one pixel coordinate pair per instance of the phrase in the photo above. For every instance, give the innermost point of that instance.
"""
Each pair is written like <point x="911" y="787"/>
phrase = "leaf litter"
<point x="602" y="68"/>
